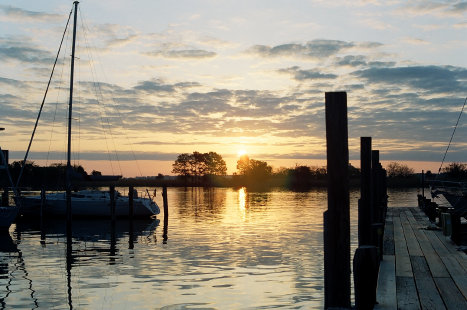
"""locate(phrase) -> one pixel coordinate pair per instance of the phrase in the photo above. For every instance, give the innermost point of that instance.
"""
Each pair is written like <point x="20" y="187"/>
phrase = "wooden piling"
<point x="112" y="202"/>
<point x="166" y="214"/>
<point x="4" y="163"/>
<point x="131" y="192"/>
<point x="365" y="271"/>
<point x="337" y="217"/>
<point x="365" y="213"/>
<point x="423" y="183"/>
<point x="43" y="200"/>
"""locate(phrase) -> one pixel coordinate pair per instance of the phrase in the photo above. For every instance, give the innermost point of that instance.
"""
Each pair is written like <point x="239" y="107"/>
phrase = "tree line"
<point x="253" y="172"/>
<point x="51" y="176"/>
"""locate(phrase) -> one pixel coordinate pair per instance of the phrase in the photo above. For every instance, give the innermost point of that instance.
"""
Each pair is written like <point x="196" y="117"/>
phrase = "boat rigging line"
<point x="43" y="100"/>
<point x="452" y="136"/>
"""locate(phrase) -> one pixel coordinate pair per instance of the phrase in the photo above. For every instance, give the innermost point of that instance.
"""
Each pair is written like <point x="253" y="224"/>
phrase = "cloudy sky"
<point x="159" y="78"/>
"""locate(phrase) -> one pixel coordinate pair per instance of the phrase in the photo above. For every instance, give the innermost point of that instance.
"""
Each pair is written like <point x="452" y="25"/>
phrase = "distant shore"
<point x="272" y="182"/>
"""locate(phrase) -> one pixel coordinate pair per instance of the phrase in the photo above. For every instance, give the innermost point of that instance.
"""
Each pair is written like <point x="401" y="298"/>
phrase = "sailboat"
<point x="7" y="213"/>
<point x="83" y="203"/>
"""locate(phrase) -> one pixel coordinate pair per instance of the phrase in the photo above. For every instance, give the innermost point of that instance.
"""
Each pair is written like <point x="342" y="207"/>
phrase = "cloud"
<point x="59" y="156"/>
<point x="189" y="54"/>
<point x="436" y="8"/>
<point x="25" y="54"/>
<point x="154" y="86"/>
<point x="459" y="7"/>
<point x="460" y="25"/>
<point x="352" y="60"/>
<point x="14" y="14"/>
<point x="432" y="79"/>
<point x="415" y="41"/>
<point x="316" y="49"/>
<point x="312" y="74"/>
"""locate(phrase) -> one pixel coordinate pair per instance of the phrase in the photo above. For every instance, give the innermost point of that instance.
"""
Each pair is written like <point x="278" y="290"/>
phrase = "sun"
<point x="240" y="153"/>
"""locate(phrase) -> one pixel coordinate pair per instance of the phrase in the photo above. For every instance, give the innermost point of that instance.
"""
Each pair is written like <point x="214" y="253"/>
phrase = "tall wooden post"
<point x="131" y="192"/>
<point x="166" y="214"/>
<point x="423" y="183"/>
<point x="376" y="187"/>
<point x="364" y="206"/>
<point x="112" y="202"/>
<point x="337" y="217"/>
<point x="4" y="163"/>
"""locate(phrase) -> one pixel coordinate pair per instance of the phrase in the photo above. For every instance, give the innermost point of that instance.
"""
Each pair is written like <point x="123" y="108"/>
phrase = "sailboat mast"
<point x="70" y="105"/>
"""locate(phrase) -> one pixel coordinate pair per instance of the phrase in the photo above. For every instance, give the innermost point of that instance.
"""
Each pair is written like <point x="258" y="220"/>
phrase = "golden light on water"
<point x="242" y="201"/>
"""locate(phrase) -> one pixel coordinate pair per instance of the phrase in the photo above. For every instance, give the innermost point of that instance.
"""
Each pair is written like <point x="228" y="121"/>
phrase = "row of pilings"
<point x="372" y="208"/>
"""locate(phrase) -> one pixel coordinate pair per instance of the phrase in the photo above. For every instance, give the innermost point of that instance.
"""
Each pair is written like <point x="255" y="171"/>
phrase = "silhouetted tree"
<point x="456" y="170"/>
<point x="253" y="168"/>
<point x="182" y="165"/>
<point x="353" y="171"/>
<point x="199" y="164"/>
<point x="395" y="169"/>
<point x="243" y="164"/>
<point x="215" y="165"/>
<point x="50" y="176"/>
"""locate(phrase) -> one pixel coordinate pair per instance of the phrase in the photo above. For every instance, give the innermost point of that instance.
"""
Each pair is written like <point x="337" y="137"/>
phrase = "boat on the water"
<point x="455" y="192"/>
<point x="7" y="213"/>
<point x="88" y="204"/>
<point x="84" y="203"/>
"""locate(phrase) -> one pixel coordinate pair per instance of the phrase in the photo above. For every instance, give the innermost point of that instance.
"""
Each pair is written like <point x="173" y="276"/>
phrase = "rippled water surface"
<point x="226" y="249"/>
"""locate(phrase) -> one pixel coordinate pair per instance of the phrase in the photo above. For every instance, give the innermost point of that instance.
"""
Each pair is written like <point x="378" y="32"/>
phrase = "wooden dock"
<point x="421" y="268"/>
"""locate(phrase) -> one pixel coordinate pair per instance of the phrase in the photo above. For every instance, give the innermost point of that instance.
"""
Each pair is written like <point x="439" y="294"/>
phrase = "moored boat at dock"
<point x="88" y="204"/>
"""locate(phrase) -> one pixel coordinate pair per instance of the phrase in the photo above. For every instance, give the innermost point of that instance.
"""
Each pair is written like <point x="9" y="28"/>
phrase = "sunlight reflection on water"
<point x="226" y="249"/>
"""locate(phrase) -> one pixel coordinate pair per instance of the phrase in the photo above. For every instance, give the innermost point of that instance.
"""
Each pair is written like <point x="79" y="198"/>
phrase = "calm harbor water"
<point x="226" y="249"/>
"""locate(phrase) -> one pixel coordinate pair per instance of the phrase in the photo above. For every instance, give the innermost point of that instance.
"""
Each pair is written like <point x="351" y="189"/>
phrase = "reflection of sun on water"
<point x="242" y="201"/>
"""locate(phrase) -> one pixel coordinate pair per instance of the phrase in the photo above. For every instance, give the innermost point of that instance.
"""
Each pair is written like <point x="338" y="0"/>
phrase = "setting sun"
<point x="240" y="153"/>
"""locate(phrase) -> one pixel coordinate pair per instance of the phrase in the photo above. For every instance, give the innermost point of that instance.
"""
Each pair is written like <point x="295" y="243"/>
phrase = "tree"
<point x="182" y="165"/>
<point x="456" y="170"/>
<point x="253" y="168"/>
<point x="395" y="169"/>
<point x="199" y="164"/>
<point x="215" y="165"/>
<point x="243" y="164"/>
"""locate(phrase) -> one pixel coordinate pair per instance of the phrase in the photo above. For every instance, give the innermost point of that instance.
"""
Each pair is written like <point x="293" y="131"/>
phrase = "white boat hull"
<point x="87" y="204"/>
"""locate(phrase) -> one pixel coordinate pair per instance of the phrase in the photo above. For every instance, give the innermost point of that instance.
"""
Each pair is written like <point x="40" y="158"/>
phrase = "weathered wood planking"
<point x="406" y="291"/>
<point x="458" y="273"/>
<point x="426" y="288"/>
<point x="412" y="242"/>
<point x="403" y="266"/>
<point x="428" y="271"/>
<point x="450" y="294"/>
<point x="386" y="293"/>
<point x="388" y="237"/>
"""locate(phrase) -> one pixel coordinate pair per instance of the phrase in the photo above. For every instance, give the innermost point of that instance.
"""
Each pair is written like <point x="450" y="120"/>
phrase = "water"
<point x="226" y="249"/>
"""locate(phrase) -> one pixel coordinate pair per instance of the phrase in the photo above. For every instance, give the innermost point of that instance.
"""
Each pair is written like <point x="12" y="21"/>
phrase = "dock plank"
<point x="458" y="273"/>
<point x="406" y="291"/>
<point x="388" y="238"/>
<point x="403" y="266"/>
<point x="386" y="290"/>
<point x="428" y="270"/>
<point x="452" y="297"/>
<point x="426" y="287"/>
<point x="439" y="247"/>
<point x="434" y="262"/>
<point x="412" y="242"/>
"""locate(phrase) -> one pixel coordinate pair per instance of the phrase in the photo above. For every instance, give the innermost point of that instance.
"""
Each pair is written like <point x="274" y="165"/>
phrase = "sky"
<point x="154" y="79"/>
